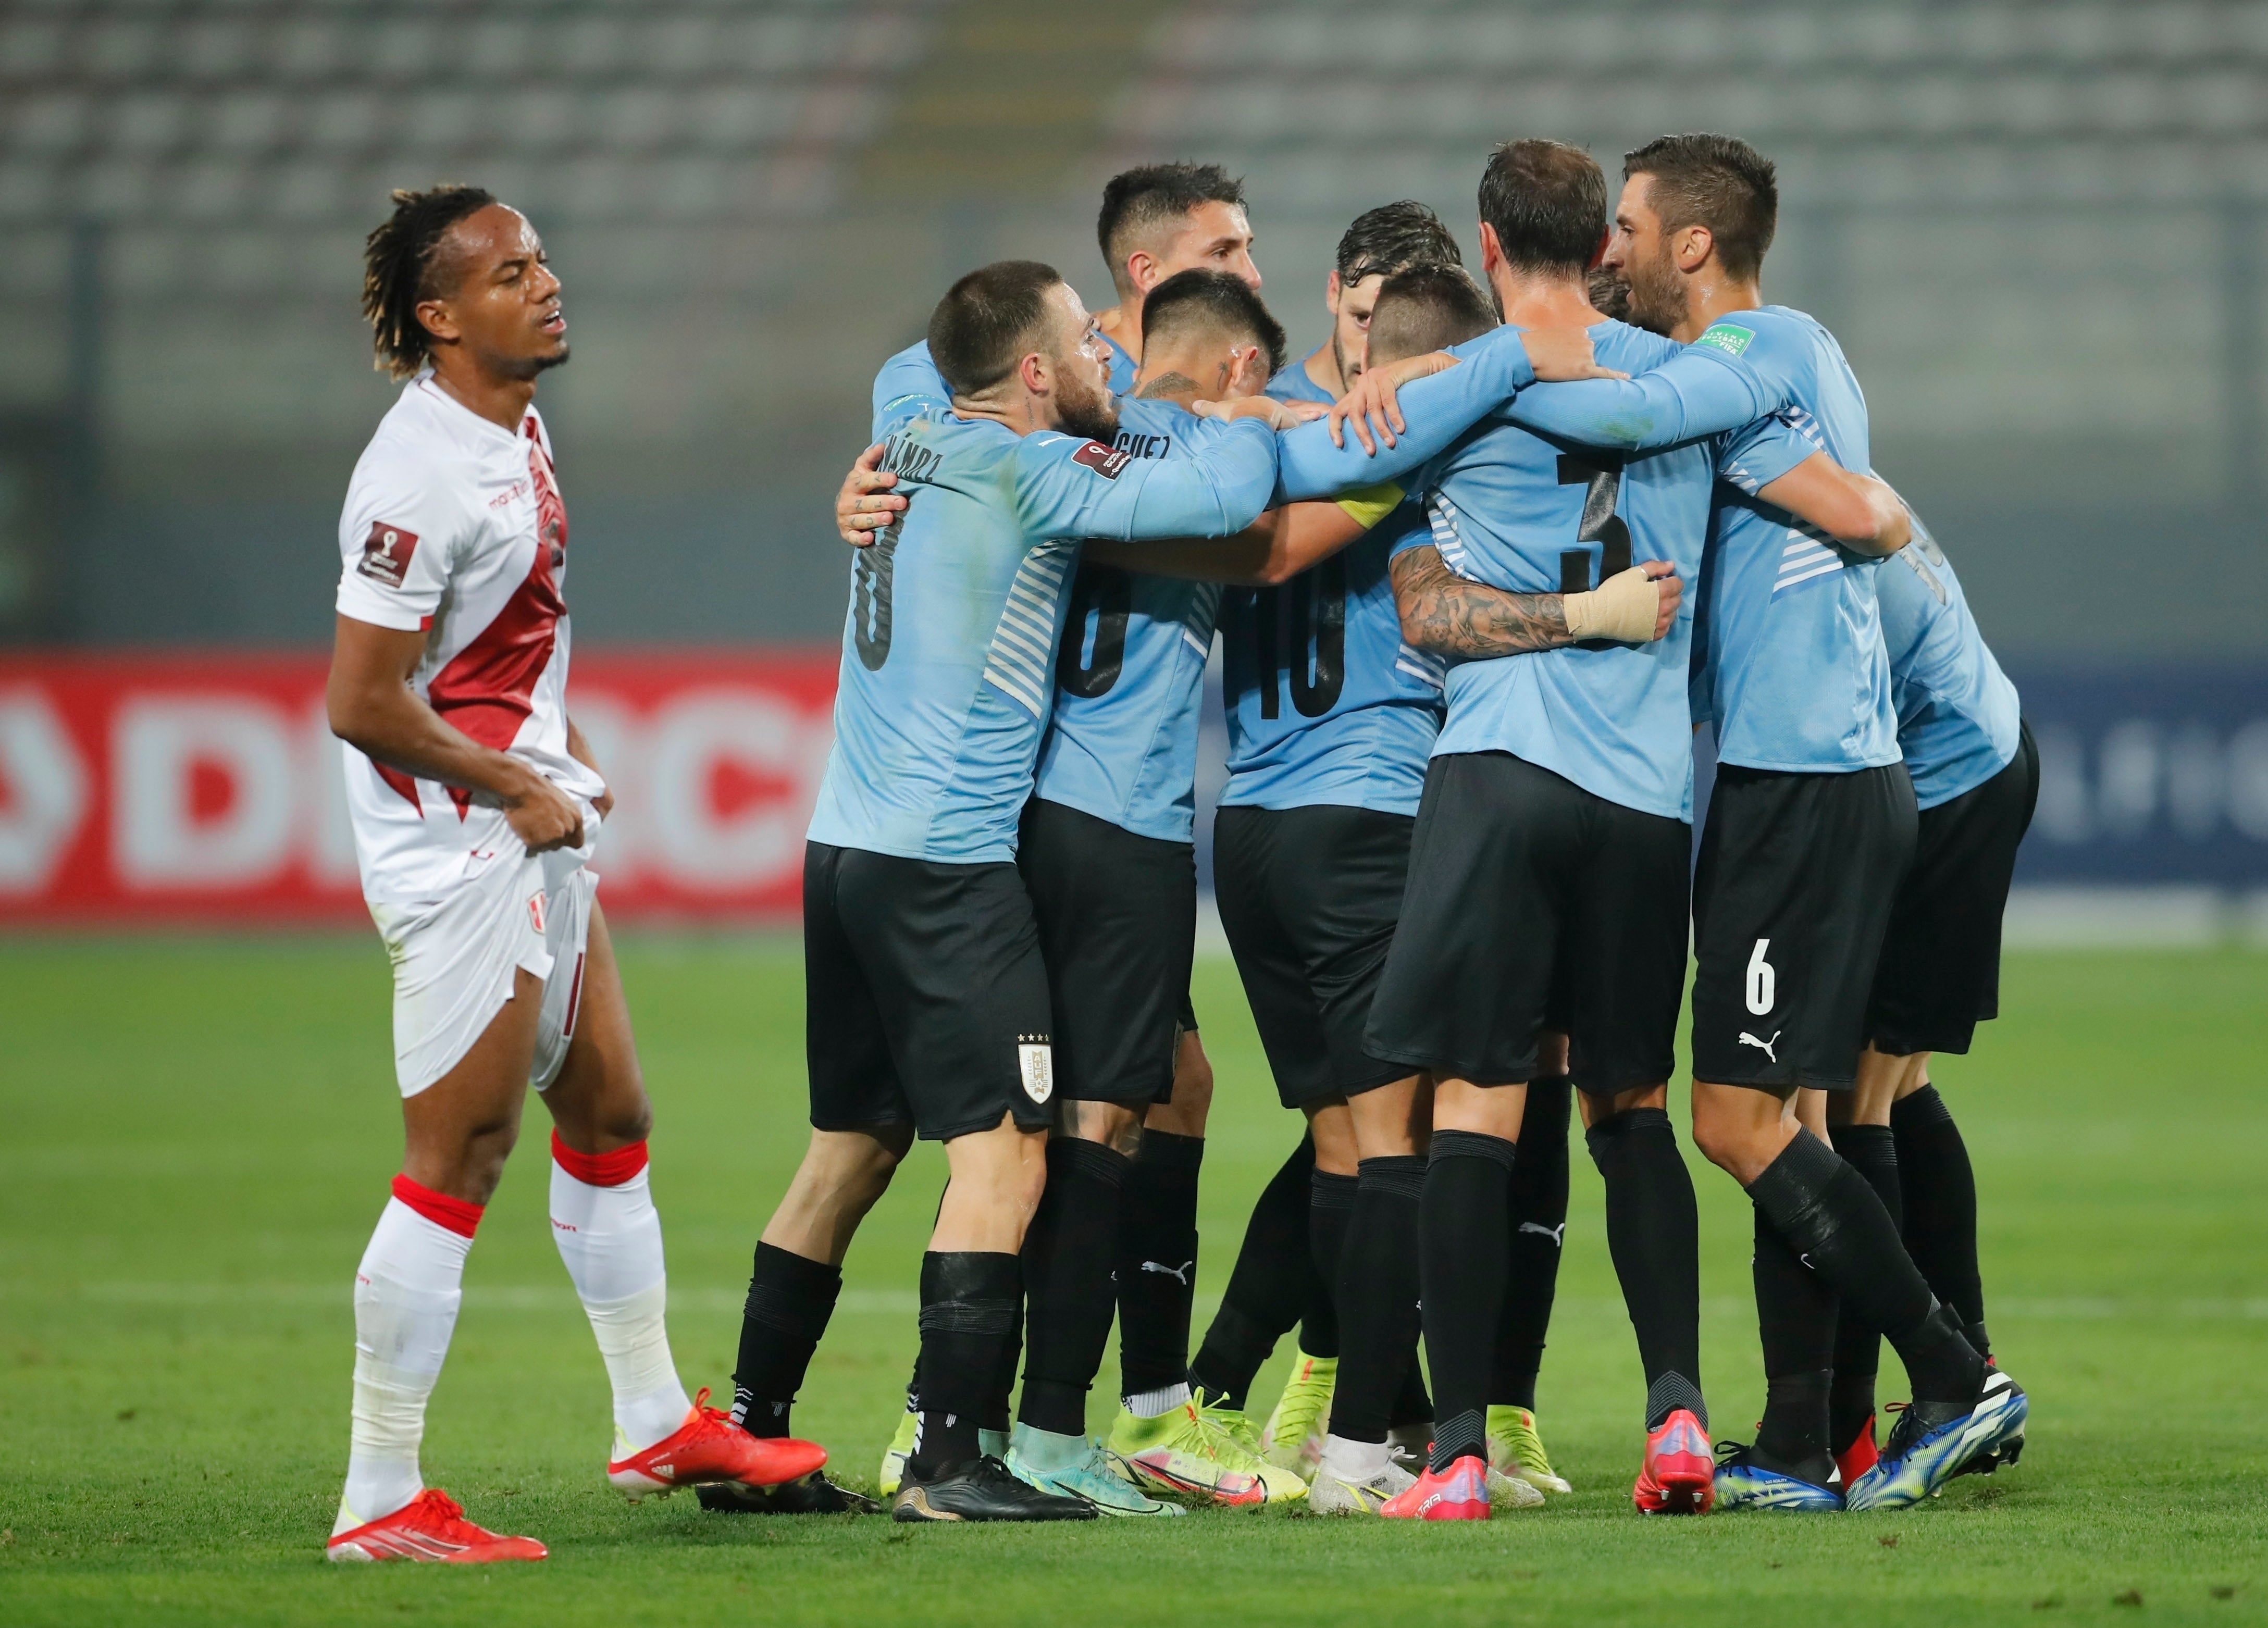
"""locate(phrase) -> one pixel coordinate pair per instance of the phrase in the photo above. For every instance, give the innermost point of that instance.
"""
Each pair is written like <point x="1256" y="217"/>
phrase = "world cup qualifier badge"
<point x="1035" y="1066"/>
<point x="386" y="554"/>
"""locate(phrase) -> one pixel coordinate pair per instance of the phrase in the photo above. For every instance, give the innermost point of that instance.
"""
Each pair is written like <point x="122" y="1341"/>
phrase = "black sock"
<point x="1158" y="1262"/>
<point x="1412" y="1404"/>
<point x="1330" y="1208"/>
<point x="1940" y="1207"/>
<point x="1069" y="1297"/>
<point x="1830" y="1217"/>
<point x="789" y="1300"/>
<point x="1870" y="1151"/>
<point x="1378" y="1296"/>
<point x="1538" y="1219"/>
<point x="1271" y="1283"/>
<point x="1653" y="1232"/>
<point x="1464" y="1254"/>
<point x="1795" y="1320"/>
<point x="967" y="1314"/>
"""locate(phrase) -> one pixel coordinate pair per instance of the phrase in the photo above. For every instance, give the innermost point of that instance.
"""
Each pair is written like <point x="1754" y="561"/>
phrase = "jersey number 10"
<point x="1307" y="612"/>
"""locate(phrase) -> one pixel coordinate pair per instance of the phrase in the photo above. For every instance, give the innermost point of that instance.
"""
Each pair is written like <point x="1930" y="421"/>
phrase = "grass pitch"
<point x="199" y="1135"/>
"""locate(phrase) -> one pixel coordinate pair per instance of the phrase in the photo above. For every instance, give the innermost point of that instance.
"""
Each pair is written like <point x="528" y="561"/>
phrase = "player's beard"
<point x="1093" y="414"/>
<point x="1348" y="370"/>
<point x="1656" y="297"/>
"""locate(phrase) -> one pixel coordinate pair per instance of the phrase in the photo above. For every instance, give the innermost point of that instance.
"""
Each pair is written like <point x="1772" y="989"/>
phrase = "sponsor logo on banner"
<point x="385" y="553"/>
<point x="1035" y="1066"/>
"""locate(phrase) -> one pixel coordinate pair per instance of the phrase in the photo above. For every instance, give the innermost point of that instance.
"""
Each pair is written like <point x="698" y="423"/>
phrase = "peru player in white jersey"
<point x="477" y="810"/>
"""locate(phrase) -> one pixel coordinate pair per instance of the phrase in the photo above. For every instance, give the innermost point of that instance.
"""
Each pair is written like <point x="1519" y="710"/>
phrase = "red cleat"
<point x="1679" y="1477"/>
<point x="1459" y="1493"/>
<point x="710" y="1447"/>
<point x="1860" y="1456"/>
<point x="430" y="1526"/>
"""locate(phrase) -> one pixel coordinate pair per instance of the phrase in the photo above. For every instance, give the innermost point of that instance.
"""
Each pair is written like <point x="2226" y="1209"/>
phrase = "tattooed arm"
<point x="1443" y="613"/>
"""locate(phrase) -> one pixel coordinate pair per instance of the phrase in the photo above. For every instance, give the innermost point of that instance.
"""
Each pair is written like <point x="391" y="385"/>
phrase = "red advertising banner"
<point x="143" y="789"/>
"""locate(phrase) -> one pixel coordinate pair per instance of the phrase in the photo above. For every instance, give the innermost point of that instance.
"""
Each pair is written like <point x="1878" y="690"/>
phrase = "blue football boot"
<point x="1934" y="1441"/>
<point x="1743" y="1484"/>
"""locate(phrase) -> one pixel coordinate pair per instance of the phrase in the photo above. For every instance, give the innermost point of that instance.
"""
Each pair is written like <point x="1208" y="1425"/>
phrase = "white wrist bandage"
<point x="1625" y="607"/>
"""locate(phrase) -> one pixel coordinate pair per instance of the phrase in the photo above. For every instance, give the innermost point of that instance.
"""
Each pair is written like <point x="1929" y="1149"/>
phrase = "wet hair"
<point x="1426" y="308"/>
<point x="1547" y="202"/>
<point x="1216" y="300"/>
<point x="1393" y="238"/>
<point x="1136" y="202"/>
<point x="990" y="320"/>
<point x="1717" y="181"/>
<point x="399" y="265"/>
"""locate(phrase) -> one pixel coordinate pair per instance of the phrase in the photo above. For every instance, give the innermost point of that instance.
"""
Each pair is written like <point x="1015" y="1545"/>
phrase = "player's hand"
<point x="542" y="815"/>
<point x="1672" y="592"/>
<point x="604" y="802"/>
<point x="1561" y="354"/>
<point x="866" y="505"/>
<point x="1371" y="404"/>
<point x="1633" y="606"/>
<point x="1275" y="414"/>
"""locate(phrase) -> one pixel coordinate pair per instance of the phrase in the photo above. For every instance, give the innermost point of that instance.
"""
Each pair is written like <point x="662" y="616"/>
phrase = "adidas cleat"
<point x="1077" y="1467"/>
<point x="981" y="1488"/>
<point x="1514" y="1449"/>
<point x="1200" y="1452"/>
<point x="1932" y="1441"/>
<point x="1460" y="1492"/>
<point x="1292" y="1438"/>
<point x="807" y="1495"/>
<point x="430" y="1526"/>
<point x="1333" y="1494"/>
<point x="1679" y="1476"/>
<point x="1743" y="1484"/>
<point x="708" y="1446"/>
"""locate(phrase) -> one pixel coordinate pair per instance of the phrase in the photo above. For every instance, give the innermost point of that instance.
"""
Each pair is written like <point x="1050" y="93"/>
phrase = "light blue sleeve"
<point x="1700" y="391"/>
<point x="1066" y="486"/>
<point x="908" y="383"/>
<point x="1752" y="458"/>
<point x="1438" y="408"/>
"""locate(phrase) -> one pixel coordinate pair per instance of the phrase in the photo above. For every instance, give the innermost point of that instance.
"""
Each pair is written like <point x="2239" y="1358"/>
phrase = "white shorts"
<point x="454" y="962"/>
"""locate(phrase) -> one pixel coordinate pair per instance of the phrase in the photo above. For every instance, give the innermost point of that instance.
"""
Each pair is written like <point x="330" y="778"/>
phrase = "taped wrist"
<point x="1623" y="607"/>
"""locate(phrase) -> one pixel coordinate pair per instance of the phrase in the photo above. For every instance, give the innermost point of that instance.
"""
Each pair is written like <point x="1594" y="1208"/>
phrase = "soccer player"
<point x="929" y="1004"/>
<point x="477" y="810"/>
<point x="1391" y="237"/>
<point x="1811" y="824"/>
<point x="1976" y="778"/>
<point x="1156" y="222"/>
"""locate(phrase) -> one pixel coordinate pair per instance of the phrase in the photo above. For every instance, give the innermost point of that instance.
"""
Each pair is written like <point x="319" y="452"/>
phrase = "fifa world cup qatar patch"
<point x="385" y="553"/>
<point x="1728" y="337"/>
<point x="1106" y="462"/>
<point x="1035" y="1066"/>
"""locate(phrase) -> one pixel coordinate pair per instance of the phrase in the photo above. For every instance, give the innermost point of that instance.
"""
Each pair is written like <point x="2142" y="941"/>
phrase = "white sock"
<point x="407" y="1292"/>
<point x="1149" y="1403"/>
<point x="610" y="1238"/>
<point x="1355" y="1461"/>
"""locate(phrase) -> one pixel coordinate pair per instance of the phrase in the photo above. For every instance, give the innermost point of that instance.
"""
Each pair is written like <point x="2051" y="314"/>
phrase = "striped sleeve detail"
<point x="1024" y="643"/>
<point x="1441" y="515"/>
<point x="1427" y="668"/>
<point x="1807" y="557"/>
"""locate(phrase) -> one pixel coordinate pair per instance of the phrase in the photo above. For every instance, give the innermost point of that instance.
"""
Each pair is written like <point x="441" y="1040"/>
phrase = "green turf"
<point x="198" y="1135"/>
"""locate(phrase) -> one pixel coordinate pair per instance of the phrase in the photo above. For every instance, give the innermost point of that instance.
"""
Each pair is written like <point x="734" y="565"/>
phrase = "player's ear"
<point x="1695" y="245"/>
<point x="1037" y="372"/>
<point x="1492" y="250"/>
<point x="1331" y="292"/>
<point x="438" y="318"/>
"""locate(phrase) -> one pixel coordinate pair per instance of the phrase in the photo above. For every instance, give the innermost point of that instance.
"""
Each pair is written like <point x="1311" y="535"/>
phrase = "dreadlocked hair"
<point x="397" y="272"/>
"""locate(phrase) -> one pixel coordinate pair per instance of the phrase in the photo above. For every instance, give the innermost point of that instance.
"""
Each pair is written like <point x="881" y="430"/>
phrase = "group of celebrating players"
<point x="1480" y="566"/>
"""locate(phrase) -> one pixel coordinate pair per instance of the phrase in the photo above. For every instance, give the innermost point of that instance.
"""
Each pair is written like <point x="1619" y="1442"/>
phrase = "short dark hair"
<point x="1426" y="308"/>
<point x="1547" y="202"/>
<point x="1392" y="238"/>
<point x="989" y="321"/>
<point x="1218" y="298"/>
<point x="1138" y="201"/>
<point x="397" y="272"/>
<point x="1717" y="181"/>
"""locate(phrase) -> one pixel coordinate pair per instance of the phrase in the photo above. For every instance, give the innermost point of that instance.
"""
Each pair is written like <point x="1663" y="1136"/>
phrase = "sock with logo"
<point x="1831" y="1218"/>
<point x="1796" y="1321"/>
<point x="1268" y="1287"/>
<point x="1157" y="1263"/>
<point x="1331" y="1209"/>
<point x="1068" y="1292"/>
<point x="1538" y="1216"/>
<point x="406" y="1294"/>
<point x="1653" y="1232"/>
<point x="1378" y="1295"/>
<point x="1872" y="1153"/>
<point x="609" y="1235"/>
<point x="789" y="1300"/>
<point x="1464" y="1253"/>
<point x="1940" y="1206"/>
<point x="968" y="1309"/>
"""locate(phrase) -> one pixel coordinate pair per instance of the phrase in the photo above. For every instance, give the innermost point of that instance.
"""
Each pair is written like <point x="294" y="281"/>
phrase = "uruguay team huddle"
<point x="1480" y="566"/>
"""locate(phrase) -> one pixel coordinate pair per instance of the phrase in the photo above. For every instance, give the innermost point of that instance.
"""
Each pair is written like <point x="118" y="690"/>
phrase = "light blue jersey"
<point x="1536" y="514"/>
<point x="1123" y="368"/>
<point x="1129" y="674"/>
<point x="949" y="648"/>
<point x="1788" y="659"/>
<point x="1293" y="384"/>
<point x="1958" y="716"/>
<point x="1326" y="703"/>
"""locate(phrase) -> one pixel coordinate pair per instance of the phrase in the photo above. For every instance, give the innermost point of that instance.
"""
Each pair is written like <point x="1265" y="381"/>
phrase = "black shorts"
<point x="1940" y="974"/>
<point x="926" y="999"/>
<point x="1118" y="925"/>
<point x="1309" y="898"/>
<point x="1791" y="898"/>
<point x="1536" y="904"/>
